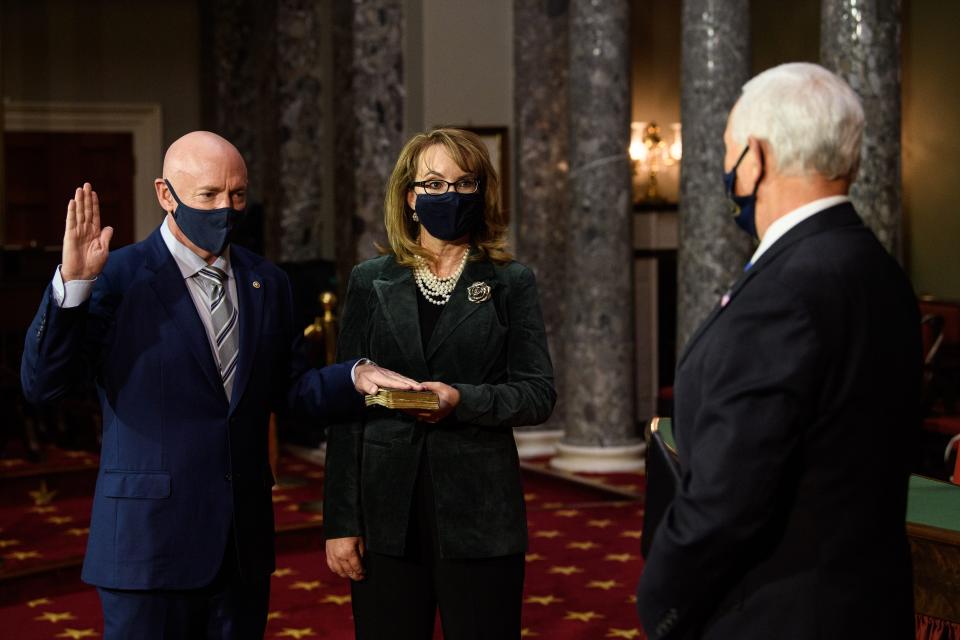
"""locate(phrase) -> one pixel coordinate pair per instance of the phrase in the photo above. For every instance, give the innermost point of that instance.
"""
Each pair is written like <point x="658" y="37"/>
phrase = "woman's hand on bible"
<point x="449" y="399"/>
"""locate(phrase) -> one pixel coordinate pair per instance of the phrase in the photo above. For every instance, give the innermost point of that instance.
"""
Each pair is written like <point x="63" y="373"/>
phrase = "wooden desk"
<point x="933" y="527"/>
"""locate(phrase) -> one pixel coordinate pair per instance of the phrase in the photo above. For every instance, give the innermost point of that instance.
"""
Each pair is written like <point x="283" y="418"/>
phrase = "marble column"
<point x="715" y="63"/>
<point x="368" y="79"/>
<point x="300" y="130"/>
<point x="860" y="41"/>
<point x="600" y="428"/>
<point x="541" y="58"/>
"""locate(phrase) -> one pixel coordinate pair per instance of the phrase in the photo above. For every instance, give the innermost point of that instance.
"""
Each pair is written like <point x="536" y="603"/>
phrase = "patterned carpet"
<point x="582" y="569"/>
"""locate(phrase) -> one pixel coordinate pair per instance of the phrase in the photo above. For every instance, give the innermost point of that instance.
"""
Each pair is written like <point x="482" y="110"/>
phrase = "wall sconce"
<point x="653" y="157"/>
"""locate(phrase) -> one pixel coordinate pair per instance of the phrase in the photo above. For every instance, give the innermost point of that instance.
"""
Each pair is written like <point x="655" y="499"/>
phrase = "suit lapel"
<point x="171" y="289"/>
<point x="397" y="295"/>
<point x="250" y="299"/>
<point x="459" y="307"/>
<point x="841" y="215"/>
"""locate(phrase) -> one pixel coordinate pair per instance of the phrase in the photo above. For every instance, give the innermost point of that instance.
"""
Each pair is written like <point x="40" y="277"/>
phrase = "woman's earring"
<point x="415" y="217"/>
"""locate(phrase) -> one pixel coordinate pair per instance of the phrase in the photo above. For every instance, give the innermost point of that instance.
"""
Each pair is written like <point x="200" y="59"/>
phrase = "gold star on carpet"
<point x="626" y="487"/>
<point x="631" y="533"/>
<point x="274" y="615"/>
<point x="50" y="616"/>
<point x="544" y="600"/>
<point x="291" y="507"/>
<point x="568" y="570"/>
<point x="606" y="585"/>
<point x="15" y="462"/>
<point x="533" y="557"/>
<point x="77" y="634"/>
<point x="332" y="599"/>
<point x="582" y="616"/>
<point x="316" y="518"/>
<point x="623" y="633"/>
<point x="586" y="546"/>
<point x="279" y="497"/>
<point x="8" y="543"/>
<point x="552" y="533"/>
<point x="530" y="496"/>
<point x="316" y="475"/>
<point x="294" y="467"/>
<point x="42" y="496"/>
<point x="284" y="572"/>
<point x="58" y="520"/>
<point x="307" y="586"/>
<point x="38" y="602"/>
<point x="42" y="510"/>
<point x="23" y="555"/>
<point x="620" y="557"/>
<point x="76" y="454"/>
<point x="566" y="513"/>
<point x="552" y="505"/>
<point x="640" y="512"/>
<point x="527" y="633"/>
<point x="296" y="633"/>
<point x="632" y="599"/>
<point x="599" y="523"/>
<point x="77" y="531"/>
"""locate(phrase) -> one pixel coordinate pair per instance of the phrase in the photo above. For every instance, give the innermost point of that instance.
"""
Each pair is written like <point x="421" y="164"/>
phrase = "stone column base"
<point x="535" y="443"/>
<point x="625" y="458"/>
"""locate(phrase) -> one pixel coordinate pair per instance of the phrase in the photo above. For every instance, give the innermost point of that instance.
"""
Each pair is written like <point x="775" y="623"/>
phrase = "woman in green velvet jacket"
<point x="425" y="509"/>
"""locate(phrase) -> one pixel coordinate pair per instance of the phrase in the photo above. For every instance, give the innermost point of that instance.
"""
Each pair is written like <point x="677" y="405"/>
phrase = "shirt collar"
<point x="187" y="261"/>
<point x="788" y="221"/>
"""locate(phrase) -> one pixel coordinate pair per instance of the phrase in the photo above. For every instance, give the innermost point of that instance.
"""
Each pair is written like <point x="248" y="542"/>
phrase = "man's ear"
<point x="167" y="203"/>
<point x="756" y="168"/>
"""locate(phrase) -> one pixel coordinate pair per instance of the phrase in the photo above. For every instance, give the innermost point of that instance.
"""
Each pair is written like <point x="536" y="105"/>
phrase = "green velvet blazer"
<point x="495" y="354"/>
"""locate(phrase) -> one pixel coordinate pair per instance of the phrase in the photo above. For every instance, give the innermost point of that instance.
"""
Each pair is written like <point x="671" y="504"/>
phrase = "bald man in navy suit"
<point x="192" y="343"/>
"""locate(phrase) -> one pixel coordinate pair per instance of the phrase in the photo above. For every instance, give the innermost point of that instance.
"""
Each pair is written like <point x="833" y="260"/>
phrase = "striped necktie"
<point x="225" y="325"/>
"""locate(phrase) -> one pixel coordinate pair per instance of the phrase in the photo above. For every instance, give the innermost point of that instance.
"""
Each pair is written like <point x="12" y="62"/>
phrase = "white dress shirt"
<point x="784" y="223"/>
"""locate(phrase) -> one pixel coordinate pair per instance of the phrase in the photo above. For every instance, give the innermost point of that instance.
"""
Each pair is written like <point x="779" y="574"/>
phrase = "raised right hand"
<point x="344" y="557"/>
<point x="85" y="244"/>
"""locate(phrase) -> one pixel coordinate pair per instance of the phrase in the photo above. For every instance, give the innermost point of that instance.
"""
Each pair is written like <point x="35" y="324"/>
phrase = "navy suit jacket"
<point x="180" y="466"/>
<point x="796" y="402"/>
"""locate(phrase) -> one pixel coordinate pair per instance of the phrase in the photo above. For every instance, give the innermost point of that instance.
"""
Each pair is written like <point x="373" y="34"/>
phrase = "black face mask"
<point x="450" y="215"/>
<point x="209" y="229"/>
<point x="744" y="207"/>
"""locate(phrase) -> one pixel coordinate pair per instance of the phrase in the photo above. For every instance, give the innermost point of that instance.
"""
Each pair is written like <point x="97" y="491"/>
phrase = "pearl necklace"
<point x="434" y="289"/>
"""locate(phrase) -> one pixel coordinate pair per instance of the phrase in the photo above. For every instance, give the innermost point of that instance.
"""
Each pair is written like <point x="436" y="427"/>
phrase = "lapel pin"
<point x="725" y="300"/>
<point x="256" y="284"/>
<point x="478" y="292"/>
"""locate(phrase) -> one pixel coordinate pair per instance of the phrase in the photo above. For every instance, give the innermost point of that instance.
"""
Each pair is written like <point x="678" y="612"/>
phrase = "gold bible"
<point x="399" y="399"/>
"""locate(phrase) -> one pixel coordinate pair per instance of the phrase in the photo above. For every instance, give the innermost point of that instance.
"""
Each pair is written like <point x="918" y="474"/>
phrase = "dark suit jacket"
<point x="795" y="408"/>
<point x="179" y="465"/>
<point x="495" y="354"/>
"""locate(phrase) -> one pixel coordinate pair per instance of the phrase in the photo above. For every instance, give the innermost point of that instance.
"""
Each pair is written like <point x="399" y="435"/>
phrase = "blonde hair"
<point x="470" y="154"/>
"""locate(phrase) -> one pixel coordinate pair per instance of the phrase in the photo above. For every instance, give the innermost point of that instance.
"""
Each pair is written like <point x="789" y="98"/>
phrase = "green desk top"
<point x="933" y="503"/>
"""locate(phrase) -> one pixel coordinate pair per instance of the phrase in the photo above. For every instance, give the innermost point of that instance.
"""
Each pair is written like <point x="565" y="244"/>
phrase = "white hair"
<point x="810" y="117"/>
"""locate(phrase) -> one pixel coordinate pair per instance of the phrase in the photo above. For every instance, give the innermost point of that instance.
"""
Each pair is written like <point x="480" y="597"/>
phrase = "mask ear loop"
<point x="174" y="194"/>
<point x="763" y="169"/>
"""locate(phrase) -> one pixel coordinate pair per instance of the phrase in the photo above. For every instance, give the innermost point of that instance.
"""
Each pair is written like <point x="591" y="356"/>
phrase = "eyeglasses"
<point x="439" y="187"/>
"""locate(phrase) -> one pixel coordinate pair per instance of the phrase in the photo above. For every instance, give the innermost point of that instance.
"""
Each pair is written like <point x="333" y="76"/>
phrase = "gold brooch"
<point x="478" y="292"/>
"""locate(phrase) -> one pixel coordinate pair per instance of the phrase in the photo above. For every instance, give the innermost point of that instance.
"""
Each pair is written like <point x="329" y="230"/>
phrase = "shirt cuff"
<point x="353" y="369"/>
<point x="70" y="294"/>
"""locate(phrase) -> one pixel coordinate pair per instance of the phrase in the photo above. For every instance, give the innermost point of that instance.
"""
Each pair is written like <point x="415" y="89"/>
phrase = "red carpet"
<point x="581" y="573"/>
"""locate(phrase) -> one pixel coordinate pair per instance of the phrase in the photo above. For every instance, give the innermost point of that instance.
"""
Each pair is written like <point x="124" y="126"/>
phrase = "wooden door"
<point x="44" y="168"/>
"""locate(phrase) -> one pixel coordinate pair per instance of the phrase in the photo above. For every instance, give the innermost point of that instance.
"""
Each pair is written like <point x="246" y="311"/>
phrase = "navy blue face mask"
<point x="209" y="229"/>
<point x="744" y="207"/>
<point x="450" y="215"/>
